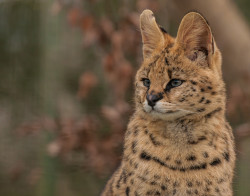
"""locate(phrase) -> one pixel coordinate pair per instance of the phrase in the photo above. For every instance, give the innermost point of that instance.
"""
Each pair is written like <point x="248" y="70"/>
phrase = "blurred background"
<point x="66" y="87"/>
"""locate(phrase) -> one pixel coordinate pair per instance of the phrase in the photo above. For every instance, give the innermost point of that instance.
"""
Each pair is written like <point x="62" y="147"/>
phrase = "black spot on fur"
<point x="209" y="115"/>
<point x="207" y="189"/>
<point x="209" y="182"/>
<point x="202" y="99"/>
<point x="193" y="82"/>
<point x="127" y="191"/>
<point x="215" y="162"/>
<point x="152" y="138"/>
<point x="201" y="110"/>
<point x="142" y="178"/>
<point x="167" y="158"/>
<point x="150" y="192"/>
<point x="128" y="132"/>
<point x="202" y="138"/>
<point x="169" y="73"/>
<point x="202" y="89"/>
<point x="193" y="89"/>
<point x="166" y="61"/>
<point x="182" y="169"/>
<point x="134" y="143"/>
<point x="176" y="184"/>
<point x="191" y="158"/>
<point x="192" y="142"/>
<point x="130" y="173"/>
<point x="167" y="180"/>
<point x="159" y="161"/>
<point x="208" y="101"/>
<point x="145" y="156"/>
<point x="132" y="181"/>
<point x="205" y="154"/>
<point x="189" y="184"/>
<point x="148" y="157"/>
<point x="221" y="180"/>
<point x="178" y="162"/>
<point x="182" y="99"/>
<point x="123" y="177"/>
<point x="209" y="87"/>
<point x="226" y="156"/>
<point x="199" y="167"/>
<point x="136" y="132"/>
<point x="157" y="177"/>
<point x="163" y="188"/>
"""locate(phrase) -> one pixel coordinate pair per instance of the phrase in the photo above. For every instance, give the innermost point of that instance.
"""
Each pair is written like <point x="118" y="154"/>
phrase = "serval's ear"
<point x="194" y="34"/>
<point x="152" y="36"/>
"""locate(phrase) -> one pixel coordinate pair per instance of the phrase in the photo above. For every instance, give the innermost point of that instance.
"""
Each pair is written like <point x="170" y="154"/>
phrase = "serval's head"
<point x="179" y="76"/>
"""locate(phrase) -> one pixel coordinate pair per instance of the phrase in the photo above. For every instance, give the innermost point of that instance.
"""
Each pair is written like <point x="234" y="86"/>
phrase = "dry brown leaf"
<point x="74" y="15"/>
<point x="87" y="81"/>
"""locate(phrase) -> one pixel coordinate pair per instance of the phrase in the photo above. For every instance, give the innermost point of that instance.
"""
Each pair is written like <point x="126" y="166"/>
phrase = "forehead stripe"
<point x="169" y="73"/>
<point x="154" y="61"/>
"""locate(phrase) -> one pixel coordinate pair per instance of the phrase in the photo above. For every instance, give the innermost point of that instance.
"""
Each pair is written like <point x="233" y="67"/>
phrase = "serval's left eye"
<point x="175" y="82"/>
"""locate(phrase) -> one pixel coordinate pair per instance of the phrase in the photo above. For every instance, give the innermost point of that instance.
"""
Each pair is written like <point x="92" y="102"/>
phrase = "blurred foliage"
<point x="66" y="93"/>
<point x="244" y="7"/>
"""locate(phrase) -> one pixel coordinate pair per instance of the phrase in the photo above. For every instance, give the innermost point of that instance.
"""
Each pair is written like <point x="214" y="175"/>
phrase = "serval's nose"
<point x="153" y="97"/>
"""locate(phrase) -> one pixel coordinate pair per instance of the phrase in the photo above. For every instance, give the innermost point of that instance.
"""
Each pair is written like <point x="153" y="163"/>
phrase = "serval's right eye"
<point x="146" y="82"/>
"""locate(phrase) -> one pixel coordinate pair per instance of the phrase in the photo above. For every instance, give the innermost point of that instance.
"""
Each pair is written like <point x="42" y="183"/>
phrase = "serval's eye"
<point x="175" y="82"/>
<point x="146" y="82"/>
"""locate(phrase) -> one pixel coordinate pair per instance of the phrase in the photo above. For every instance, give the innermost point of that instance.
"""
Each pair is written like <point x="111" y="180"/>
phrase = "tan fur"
<point x="152" y="36"/>
<point x="184" y="146"/>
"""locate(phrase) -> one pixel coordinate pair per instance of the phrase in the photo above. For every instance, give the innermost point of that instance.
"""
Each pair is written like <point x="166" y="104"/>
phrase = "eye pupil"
<point x="176" y="82"/>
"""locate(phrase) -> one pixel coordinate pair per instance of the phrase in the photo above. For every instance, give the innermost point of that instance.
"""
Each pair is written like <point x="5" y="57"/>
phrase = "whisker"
<point x="166" y="103"/>
<point x="186" y="110"/>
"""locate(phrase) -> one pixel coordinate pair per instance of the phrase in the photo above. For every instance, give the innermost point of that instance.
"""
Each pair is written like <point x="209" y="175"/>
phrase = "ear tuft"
<point x="194" y="34"/>
<point x="152" y="36"/>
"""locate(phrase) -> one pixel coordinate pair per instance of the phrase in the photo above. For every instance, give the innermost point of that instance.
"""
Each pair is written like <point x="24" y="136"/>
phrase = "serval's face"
<point x="179" y="76"/>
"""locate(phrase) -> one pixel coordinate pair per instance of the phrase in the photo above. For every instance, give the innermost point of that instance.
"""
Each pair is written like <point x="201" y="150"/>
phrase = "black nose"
<point x="153" y="98"/>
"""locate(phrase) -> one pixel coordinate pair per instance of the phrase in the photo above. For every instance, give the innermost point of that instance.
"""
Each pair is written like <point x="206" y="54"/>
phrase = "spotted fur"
<point x="182" y="145"/>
